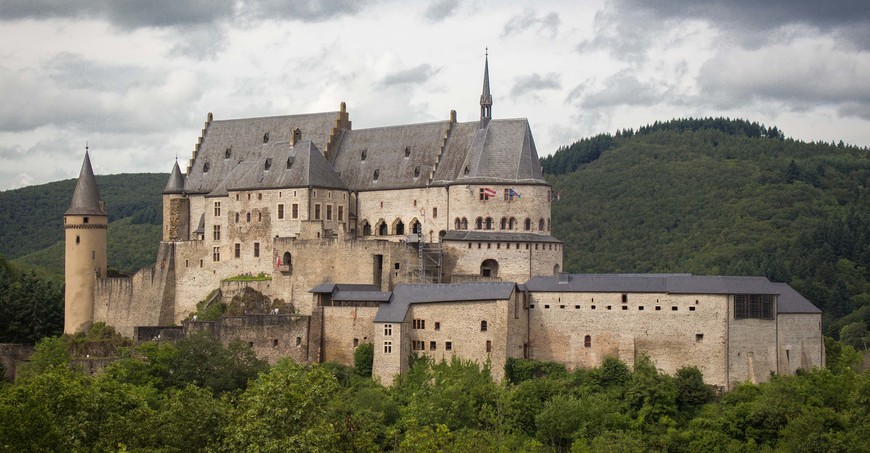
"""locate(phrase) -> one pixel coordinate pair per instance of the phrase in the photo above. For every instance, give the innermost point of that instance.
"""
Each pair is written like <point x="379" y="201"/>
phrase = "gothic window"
<point x="478" y="223"/>
<point x="541" y="225"/>
<point x="367" y="229"/>
<point x="512" y="223"/>
<point x="464" y="224"/>
<point x="489" y="223"/>
<point x="528" y="224"/>
<point x="456" y="224"/>
<point x="504" y="223"/>
<point x="382" y="229"/>
<point x="399" y="228"/>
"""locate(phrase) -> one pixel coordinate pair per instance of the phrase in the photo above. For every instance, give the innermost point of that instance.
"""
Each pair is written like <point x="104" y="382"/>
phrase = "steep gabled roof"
<point x="175" y="184"/>
<point x="226" y="143"/>
<point x="385" y="152"/>
<point x="502" y="152"/>
<point x="283" y="167"/>
<point x="86" y="198"/>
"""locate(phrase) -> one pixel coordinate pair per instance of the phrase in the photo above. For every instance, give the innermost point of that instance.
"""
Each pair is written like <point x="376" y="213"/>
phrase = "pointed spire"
<point x="175" y="185"/>
<point x="485" y="96"/>
<point x="86" y="198"/>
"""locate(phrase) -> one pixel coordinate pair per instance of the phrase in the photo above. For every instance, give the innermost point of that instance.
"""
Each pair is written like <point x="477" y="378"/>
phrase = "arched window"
<point x="489" y="268"/>
<point x="382" y="229"/>
<point x="504" y="223"/>
<point x="489" y="223"/>
<point x="464" y="224"/>
<point x="415" y="226"/>
<point x="587" y="341"/>
<point x="441" y="235"/>
<point x="528" y="225"/>
<point x="556" y="269"/>
<point x="478" y="223"/>
<point x="483" y="326"/>
<point x="286" y="264"/>
<point x="541" y="225"/>
<point x="399" y="227"/>
<point x="512" y="223"/>
<point x="456" y="224"/>
<point x="366" y="228"/>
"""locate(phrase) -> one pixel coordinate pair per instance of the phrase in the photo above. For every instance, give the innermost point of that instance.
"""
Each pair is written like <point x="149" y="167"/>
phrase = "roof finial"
<point x="485" y="96"/>
<point x="86" y="146"/>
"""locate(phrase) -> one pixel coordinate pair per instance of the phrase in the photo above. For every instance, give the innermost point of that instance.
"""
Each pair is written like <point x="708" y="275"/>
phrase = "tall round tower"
<point x="85" y="223"/>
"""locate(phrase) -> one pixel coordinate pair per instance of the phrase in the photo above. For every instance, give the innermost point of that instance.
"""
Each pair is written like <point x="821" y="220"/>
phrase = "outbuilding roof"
<point x="405" y="295"/>
<point x="789" y="301"/>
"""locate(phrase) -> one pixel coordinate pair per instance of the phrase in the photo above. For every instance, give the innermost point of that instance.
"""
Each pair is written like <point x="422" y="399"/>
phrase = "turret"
<point x="85" y="223"/>
<point x="485" y="96"/>
<point x="176" y="208"/>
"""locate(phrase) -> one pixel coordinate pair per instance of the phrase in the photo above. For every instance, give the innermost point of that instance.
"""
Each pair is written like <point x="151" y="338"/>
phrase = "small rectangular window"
<point x="488" y="346"/>
<point x="437" y="326"/>
<point x="238" y="251"/>
<point x="691" y="308"/>
<point x="576" y="307"/>
<point x="388" y="330"/>
<point x="217" y="208"/>
<point x="699" y="337"/>
<point x="317" y="211"/>
<point x="341" y="213"/>
<point x="419" y="324"/>
<point x="388" y="347"/>
<point x="625" y="307"/>
<point x="674" y="308"/>
<point x="658" y="308"/>
<point x="432" y="346"/>
<point x="217" y="233"/>
<point x="256" y="249"/>
<point x="280" y="211"/>
<point x="216" y="254"/>
<point x="329" y="212"/>
<point x="434" y="212"/>
<point x="448" y="346"/>
<point x="294" y="210"/>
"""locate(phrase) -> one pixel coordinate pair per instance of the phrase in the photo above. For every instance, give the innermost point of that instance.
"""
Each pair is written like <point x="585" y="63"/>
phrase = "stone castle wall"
<point x="345" y="328"/>
<point x="800" y="341"/>
<point x="517" y="261"/>
<point x="534" y="204"/>
<point x="693" y="334"/>
<point x="428" y="206"/>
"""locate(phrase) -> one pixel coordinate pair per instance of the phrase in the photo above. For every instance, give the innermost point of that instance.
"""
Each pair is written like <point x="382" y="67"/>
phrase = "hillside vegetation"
<point x="720" y="196"/>
<point x="32" y="219"/>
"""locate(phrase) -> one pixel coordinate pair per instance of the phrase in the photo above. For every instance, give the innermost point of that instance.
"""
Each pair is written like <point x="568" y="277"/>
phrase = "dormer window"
<point x="407" y="151"/>
<point x="466" y="171"/>
<point x="205" y="167"/>
<point x="266" y="137"/>
<point x="417" y="171"/>
<point x="363" y="155"/>
<point x="268" y="164"/>
<point x="228" y="153"/>
<point x="377" y="173"/>
<point x="289" y="162"/>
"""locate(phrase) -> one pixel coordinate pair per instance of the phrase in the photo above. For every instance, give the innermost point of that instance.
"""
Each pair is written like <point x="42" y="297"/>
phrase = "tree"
<point x="363" y="358"/>
<point x="691" y="390"/>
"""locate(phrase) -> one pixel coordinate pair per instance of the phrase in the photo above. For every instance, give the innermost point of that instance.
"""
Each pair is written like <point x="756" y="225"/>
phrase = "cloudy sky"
<point x="135" y="79"/>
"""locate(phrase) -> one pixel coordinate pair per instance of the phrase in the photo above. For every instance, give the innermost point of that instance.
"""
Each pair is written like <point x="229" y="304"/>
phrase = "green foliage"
<point x="51" y="353"/>
<point x="31" y="307"/>
<point x="519" y="370"/>
<point x="261" y="277"/>
<point x="363" y="359"/>
<point x="204" y="362"/>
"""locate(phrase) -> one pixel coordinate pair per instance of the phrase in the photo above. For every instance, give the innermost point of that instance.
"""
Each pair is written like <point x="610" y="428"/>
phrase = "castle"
<point x="429" y="238"/>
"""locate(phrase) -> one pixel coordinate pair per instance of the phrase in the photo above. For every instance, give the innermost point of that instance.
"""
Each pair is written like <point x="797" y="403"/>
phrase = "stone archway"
<point x="489" y="268"/>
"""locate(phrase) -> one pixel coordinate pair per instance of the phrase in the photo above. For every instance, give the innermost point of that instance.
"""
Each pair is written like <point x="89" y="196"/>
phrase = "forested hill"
<point x="32" y="219"/>
<point x="721" y="196"/>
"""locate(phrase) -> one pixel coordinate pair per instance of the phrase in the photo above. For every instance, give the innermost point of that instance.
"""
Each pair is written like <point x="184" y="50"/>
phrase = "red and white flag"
<point x="488" y="193"/>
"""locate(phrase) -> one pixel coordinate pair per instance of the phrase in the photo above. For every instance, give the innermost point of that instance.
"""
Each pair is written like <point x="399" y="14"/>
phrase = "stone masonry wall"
<point x="427" y="206"/>
<point x="560" y="322"/>
<point x="517" y="261"/>
<point x="345" y="328"/>
<point x="534" y="204"/>
<point x="751" y="348"/>
<point x="391" y="351"/>
<point x="800" y="342"/>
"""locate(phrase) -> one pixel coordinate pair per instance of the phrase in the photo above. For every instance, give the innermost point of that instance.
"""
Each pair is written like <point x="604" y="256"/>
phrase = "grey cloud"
<point x="623" y="88"/>
<point x="440" y="10"/>
<point x="76" y="72"/>
<point x="626" y="32"/>
<point x="535" y="82"/>
<point x="799" y="77"/>
<point x="124" y="14"/>
<point x="415" y="75"/>
<point x="303" y="10"/>
<point x="548" y="23"/>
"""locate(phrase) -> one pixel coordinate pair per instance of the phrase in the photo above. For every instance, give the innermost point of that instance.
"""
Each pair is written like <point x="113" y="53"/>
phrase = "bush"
<point x="363" y="359"/>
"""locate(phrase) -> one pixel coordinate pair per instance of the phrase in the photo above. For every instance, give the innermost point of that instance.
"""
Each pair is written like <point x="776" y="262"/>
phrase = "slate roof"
<point x="332" y="287"/>
<point x="175" y="184"/>
<point x="502" y="152"/>
<point x="86" y="198"/>
<point x="245" y="140"/>
<point x="364" y="296"/>
<point x="385" y="152"/>
<point x="494" y="236"/>
<point x="404" y="295"/>
<point x="789" y="302"/>
<point x="302" y="165"/>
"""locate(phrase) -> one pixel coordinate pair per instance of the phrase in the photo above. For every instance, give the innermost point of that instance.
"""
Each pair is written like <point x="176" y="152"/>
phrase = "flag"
<point x="488" y="193"/>
<point x="558" y="195"/>
<point x="513" y="193"/>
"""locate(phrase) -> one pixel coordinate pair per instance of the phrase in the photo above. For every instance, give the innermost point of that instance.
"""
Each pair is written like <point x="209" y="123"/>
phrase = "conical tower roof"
<point x="86" y="198"/>
<point x="485" y="95"/>
<point x="176" y="181"/>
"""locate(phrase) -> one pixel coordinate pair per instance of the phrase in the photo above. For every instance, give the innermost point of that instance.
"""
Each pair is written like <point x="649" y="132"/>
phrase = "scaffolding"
<point x="429" y="259"/>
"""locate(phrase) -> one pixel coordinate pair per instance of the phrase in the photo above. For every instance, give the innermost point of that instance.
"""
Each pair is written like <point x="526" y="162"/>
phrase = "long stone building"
<point x="428" y="238"/>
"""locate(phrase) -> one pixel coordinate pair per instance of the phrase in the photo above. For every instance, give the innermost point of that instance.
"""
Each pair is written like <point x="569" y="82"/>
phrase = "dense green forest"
<point x="719" y="196"/>
<point x="198" y="395"/>
<point x="32" y="219"/>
